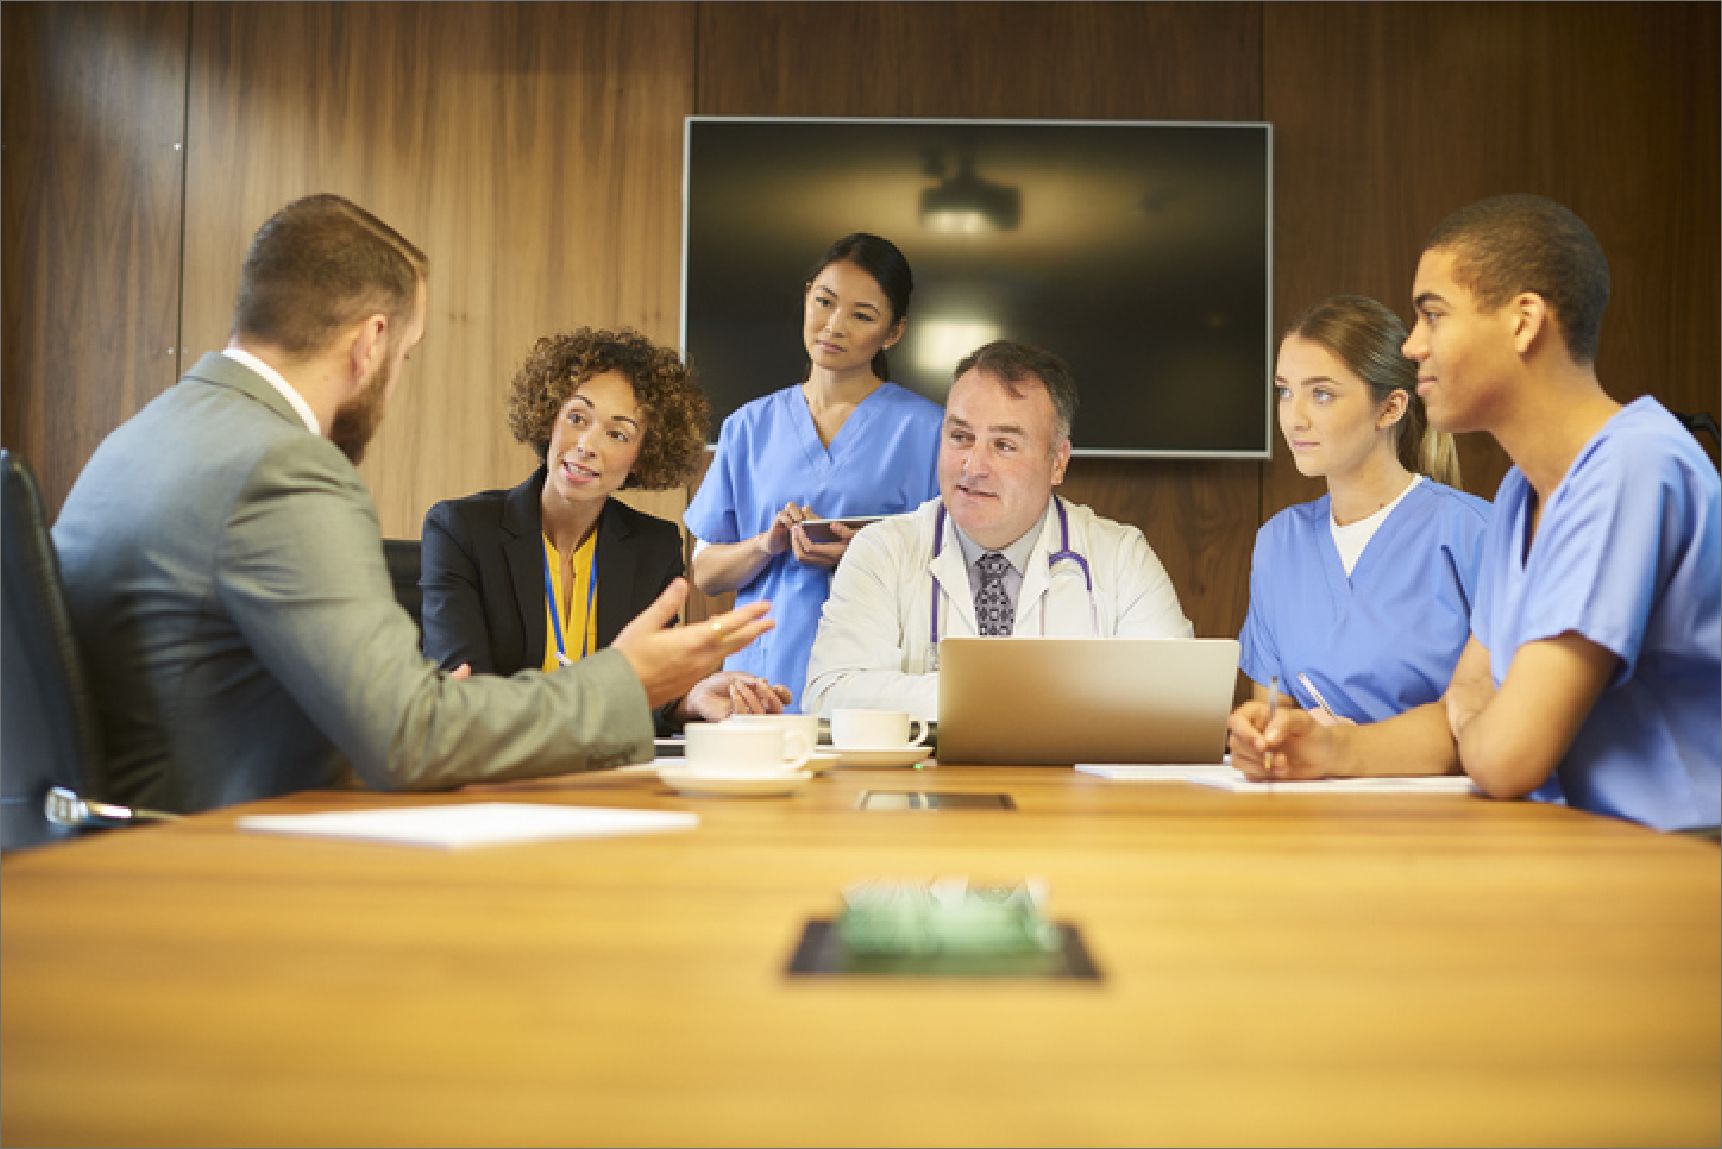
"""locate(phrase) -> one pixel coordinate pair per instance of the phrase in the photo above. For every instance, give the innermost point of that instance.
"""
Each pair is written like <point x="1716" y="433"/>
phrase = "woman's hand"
<point x="717" y="696"/>
<point x="826" y="555"/>
<point x="780" y="535"/>
<point x="1293" y="745"/>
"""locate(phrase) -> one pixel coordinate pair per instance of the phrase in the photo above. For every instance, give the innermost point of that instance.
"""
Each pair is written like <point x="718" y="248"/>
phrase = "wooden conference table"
<point x="1277" y="969"/>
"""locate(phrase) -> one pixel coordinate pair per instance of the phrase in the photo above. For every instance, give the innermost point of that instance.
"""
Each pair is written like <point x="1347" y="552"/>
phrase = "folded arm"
<point x="1511" y="739"/>
<point x="1413" y="743"/>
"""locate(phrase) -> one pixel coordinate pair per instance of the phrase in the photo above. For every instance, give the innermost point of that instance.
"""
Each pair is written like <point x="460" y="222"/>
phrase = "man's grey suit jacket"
<point x="226" y="581"/>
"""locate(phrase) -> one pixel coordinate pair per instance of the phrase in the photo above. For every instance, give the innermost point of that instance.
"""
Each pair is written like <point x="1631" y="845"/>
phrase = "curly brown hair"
<point x="676" y="413"/>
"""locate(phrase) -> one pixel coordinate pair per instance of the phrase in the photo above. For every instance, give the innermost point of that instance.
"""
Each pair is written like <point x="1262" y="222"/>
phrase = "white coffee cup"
<point x="800" y="731"/>
<point x="720" y="748"/>
<point x="876" y="729"/>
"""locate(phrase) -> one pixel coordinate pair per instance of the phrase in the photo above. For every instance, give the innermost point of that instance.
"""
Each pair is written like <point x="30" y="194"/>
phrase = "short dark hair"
<point x="1512" y="243"/>
<point x="888" y="266"/>
<point x="676" y="411"/>
<point x="1014" y="362"/>
<point x="320" y="264"/>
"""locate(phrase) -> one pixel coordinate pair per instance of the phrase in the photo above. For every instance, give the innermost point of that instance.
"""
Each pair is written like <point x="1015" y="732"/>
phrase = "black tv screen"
<point x="1138" y="251"/>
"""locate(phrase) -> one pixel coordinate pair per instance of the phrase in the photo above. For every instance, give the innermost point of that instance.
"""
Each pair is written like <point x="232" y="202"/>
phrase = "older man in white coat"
<point x="997" y="553"/>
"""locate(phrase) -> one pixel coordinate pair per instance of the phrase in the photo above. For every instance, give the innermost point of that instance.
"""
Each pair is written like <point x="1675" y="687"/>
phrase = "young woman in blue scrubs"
<point x="1367" y="591"/>
<point x="843" y="442"/>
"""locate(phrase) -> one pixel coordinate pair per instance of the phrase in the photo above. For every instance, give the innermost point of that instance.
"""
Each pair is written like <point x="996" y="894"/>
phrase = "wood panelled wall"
<point x="534" y="150"/>
<point x="92" y="121"/>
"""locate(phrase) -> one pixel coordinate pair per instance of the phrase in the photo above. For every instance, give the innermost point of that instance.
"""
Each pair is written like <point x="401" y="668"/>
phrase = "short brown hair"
<point x="320" y="264"/>
<point x="1512" y="243"/>
<point x="1014" y="362"/>
<point x="676" y="411"/>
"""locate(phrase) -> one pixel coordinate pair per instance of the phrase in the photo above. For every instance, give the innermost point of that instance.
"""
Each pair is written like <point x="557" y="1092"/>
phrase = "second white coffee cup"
<point x="876" y="729"/>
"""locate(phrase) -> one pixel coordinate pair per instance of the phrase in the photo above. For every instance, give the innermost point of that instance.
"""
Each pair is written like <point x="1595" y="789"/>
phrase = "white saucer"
<point x="821" y="761"/>
<point x="740" y="783"/>
<point x="881" y="755"/>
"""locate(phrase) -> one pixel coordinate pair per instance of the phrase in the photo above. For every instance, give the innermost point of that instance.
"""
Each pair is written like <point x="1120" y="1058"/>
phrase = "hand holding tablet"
<point x="819" y="530"/>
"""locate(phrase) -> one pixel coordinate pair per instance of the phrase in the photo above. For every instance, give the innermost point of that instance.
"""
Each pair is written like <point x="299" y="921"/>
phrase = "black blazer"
<point x="483" y="576"/>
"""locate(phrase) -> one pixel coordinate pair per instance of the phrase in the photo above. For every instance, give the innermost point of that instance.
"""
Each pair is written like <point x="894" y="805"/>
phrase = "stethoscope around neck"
<point x="1064" y="553"/>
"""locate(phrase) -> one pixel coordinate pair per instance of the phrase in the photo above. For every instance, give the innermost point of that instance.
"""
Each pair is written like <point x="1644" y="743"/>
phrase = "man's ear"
<point x="370" y="342"/>
<point x="1530" y="318"/>
<point x="1060" y="460"/>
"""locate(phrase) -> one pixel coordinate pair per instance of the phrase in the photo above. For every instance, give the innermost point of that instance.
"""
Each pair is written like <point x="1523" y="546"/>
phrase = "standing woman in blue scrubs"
<point x="1366" y="591"/>
<point x="844" y="442"/>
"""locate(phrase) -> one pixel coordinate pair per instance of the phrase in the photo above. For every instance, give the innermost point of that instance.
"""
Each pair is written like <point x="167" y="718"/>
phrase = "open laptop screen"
<point x="1038" y="701"/>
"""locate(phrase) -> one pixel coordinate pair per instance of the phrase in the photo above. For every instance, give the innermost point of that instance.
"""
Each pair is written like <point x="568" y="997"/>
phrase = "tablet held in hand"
<point x="819" y="530"/>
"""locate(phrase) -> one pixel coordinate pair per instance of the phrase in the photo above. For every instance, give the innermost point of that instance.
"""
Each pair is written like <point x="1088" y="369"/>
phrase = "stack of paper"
<point x="1231" y="778"/>
<point x="473" y="824"/>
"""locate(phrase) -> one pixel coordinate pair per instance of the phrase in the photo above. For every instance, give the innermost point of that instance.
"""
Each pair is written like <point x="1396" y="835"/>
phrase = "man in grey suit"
<point x="226" y="580"/>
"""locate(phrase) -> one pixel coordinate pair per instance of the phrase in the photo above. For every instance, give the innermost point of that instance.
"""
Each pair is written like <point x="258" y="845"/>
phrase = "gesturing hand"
<point x="670" y="659"/>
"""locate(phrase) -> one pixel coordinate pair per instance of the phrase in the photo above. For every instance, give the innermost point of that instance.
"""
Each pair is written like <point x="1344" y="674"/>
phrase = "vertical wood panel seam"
<point x="699" y="11"/>
<point x="1262" y="468"/>
<point x="184" y="167"/>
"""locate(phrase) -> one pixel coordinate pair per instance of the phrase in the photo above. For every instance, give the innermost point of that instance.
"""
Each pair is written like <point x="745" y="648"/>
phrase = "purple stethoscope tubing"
<point x="1062" y="554"/>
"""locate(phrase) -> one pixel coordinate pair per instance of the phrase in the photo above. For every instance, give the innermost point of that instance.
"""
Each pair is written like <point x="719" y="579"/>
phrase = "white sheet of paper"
<point x="473" y="824"/>
<point x="1154" y="772"/>
<point x="1230" y="778"/>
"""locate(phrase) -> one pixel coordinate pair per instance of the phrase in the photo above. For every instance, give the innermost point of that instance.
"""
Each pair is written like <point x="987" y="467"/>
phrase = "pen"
<point x="1316" y="694"/>
<point x="1273" y="709"/>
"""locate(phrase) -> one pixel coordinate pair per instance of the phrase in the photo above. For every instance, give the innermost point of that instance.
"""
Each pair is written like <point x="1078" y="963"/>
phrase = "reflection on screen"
<point x="1140" y="252"/>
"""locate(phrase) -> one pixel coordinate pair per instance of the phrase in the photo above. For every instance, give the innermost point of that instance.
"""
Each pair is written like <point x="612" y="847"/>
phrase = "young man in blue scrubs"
<point x="1594" y="669"/>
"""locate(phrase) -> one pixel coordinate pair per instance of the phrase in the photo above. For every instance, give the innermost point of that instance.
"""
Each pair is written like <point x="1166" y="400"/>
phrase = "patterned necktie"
<point x="993" y="611"/>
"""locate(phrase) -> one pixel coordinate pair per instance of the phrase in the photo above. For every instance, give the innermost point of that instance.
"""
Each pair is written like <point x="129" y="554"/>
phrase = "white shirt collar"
<point x="1016" y="553"/>
<point x="277" y="381"/>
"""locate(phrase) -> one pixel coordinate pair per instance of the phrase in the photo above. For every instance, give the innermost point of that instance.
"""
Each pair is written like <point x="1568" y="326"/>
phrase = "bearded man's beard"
<point x="356" y="420"/>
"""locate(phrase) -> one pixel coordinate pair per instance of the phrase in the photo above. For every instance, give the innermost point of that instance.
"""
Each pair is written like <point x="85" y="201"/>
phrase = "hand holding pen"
<point x="1270" y="741"/>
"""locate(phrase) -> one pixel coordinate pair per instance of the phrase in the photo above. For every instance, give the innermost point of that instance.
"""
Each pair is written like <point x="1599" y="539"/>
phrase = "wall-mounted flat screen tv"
<point x="1141" y="252"/>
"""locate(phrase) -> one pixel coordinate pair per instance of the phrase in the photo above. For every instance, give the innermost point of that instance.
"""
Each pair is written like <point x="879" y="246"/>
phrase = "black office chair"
<point x="402" y="557"/>
<point x="1701" y="423"/>
<point x="48" y="731"/>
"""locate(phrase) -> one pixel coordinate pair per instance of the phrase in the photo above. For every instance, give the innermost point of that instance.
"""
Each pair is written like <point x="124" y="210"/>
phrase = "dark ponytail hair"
<point x="1367" y="337"/>
<point x="879" y="258"/>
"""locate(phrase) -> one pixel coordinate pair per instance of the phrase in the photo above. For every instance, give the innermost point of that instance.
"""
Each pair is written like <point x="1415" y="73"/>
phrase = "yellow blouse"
<point x="579" y="615"/>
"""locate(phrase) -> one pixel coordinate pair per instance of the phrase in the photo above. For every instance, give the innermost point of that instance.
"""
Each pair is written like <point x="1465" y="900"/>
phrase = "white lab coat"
<point x="875" y="646"/>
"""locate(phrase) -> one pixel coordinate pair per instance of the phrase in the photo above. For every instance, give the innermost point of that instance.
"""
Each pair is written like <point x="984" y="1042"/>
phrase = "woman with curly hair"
<point x="546" y="573"/>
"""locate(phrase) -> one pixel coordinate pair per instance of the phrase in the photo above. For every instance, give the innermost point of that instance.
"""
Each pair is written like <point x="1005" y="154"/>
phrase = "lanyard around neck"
<point x="555" y="615"/>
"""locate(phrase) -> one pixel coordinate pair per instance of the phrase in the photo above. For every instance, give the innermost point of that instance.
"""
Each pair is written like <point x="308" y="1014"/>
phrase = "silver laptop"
<point x="1056" y="700"/>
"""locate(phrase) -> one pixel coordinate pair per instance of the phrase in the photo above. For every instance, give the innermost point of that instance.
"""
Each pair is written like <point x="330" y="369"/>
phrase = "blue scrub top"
<point x="1384" y="640"/>
<point x="883" y="462"/>
<point x="1626" y="555"/>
